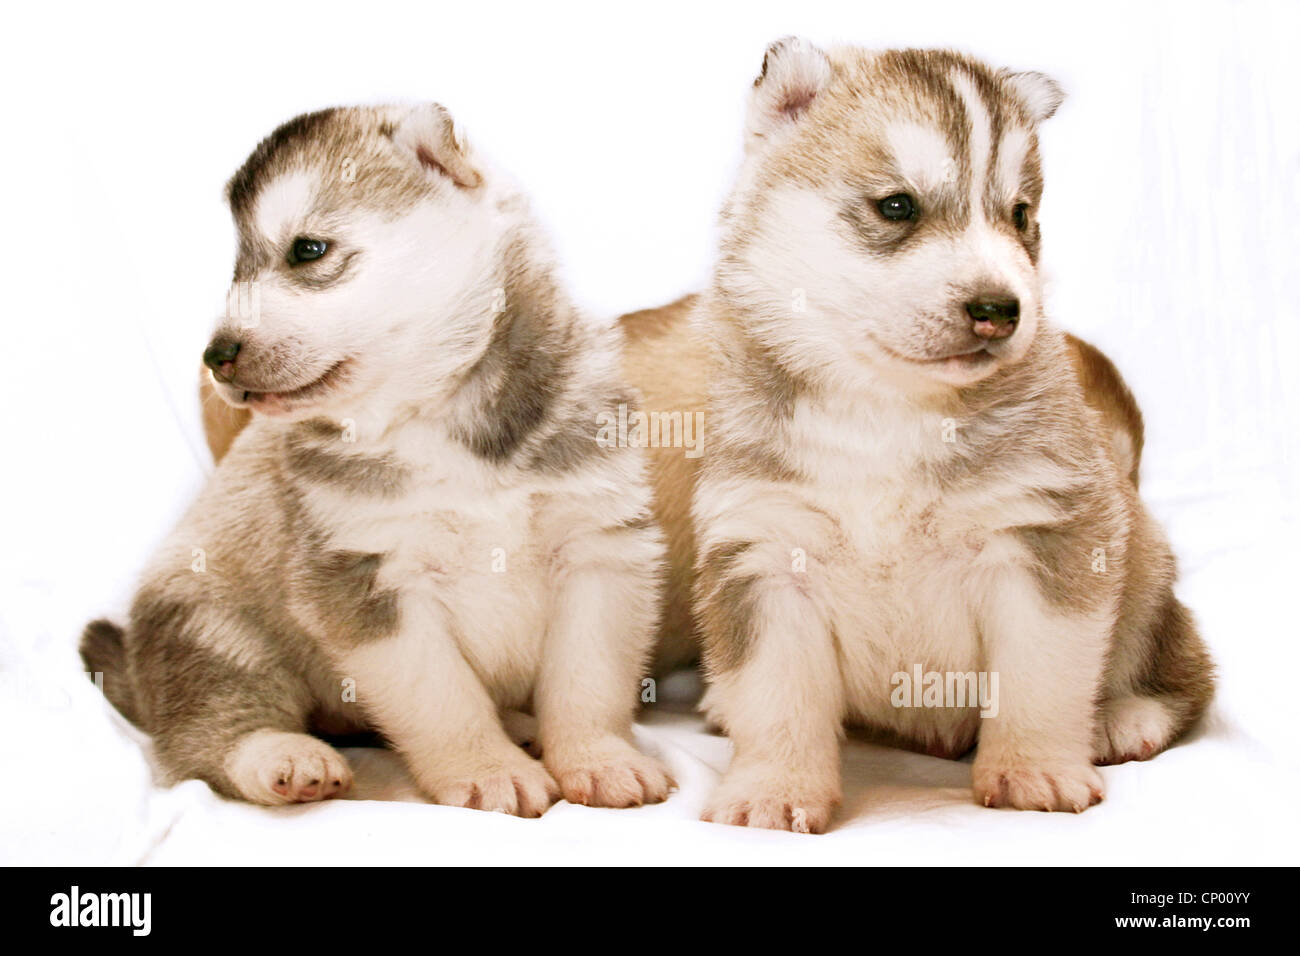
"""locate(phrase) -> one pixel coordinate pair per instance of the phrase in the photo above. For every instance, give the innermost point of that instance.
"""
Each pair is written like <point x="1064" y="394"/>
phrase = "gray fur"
<point x="252" y="602"/>
<point x="725" y="602"/>
<point x="343" y="587"/>
<point x="355" y="472"/>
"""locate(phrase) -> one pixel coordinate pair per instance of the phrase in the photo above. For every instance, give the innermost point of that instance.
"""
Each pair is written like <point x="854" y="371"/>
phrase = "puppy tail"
<point x="104" y="653"/>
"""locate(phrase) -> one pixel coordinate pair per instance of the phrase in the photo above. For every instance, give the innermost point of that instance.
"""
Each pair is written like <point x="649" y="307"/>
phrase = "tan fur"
<point x="834" y="535"/>
<point x="1105" y="390"/>
<point x="889" y="485"/>
<point x="221" y="422"/>
<point x="666" y="362"/>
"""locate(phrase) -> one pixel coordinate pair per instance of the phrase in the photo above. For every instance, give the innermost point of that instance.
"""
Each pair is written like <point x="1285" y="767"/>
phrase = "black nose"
<point x="220" y="356"/>
<point x="994" y="318"/>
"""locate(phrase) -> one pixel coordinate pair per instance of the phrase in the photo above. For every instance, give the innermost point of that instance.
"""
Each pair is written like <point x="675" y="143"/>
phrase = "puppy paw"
<point x="274" y="767"/>
<point x="609" y="772"/>
<point x="773" y="800"/>
<point x="1064" y="785"/>
<point x="1132" y="728"/>
<point x="518" y="786"/>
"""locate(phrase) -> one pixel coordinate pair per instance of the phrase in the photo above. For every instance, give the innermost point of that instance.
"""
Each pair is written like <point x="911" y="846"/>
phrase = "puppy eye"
<point x="306" y="250"/>
<point x="898" y="207"/>
<point x="1020" y="216"/>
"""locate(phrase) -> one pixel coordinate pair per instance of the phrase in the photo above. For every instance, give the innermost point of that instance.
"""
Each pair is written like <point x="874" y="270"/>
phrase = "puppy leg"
<point x="1036" y="753"/>
<point x="586" y="694"/>
<point x="235" y="720"/>
<point x="426" y="699"/>
<point x="1159" y="684"/>
<point x="776" y="689"/>
<point x="274" y="766"/>
<point x="1132" y="727"/>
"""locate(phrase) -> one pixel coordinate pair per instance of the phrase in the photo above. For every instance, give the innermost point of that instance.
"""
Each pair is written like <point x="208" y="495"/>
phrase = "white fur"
<point x="921" y="153"/>
<point x="851" y="332"/>
<point x="980" y="144"/>
<point x="796" y="71"/>
<point x="1041" y="94"/>
<point x="899" y="572"/>
<point x="1012" y="151"/>
<point x="513" y="589"/>
<point x="275" y="767"/>
<point x="279" y="207"/>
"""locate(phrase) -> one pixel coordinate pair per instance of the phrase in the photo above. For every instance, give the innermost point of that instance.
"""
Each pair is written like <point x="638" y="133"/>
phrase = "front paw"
<point x="518" y="786"/>
<point x="1060" y="784"/>
<point x="608" y="772"/>
<point x="774" y="799"/>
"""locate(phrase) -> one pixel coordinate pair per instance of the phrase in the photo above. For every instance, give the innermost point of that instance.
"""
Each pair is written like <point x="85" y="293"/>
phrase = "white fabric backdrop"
<point x="1170" y="224"/>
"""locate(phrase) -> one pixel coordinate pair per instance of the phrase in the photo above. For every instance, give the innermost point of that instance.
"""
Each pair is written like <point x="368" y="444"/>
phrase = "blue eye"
<point x="898" y="207"/>
<point x="307" y="250"/>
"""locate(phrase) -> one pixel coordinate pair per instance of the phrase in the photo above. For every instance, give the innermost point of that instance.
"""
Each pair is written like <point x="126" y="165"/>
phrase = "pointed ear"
<point x="1041" y="94"/>
<point x="428" y="135"/>
<point x="794" y="73"/>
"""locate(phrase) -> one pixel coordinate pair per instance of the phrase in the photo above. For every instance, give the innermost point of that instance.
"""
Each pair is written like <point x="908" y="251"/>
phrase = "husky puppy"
<point x="908" y="464"/>
<point x="418" y="529"/>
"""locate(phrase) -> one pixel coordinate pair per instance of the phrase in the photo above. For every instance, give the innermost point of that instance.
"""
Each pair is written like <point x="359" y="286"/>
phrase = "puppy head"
<point x="364" y="235"/>
<point x="885" y="219"/>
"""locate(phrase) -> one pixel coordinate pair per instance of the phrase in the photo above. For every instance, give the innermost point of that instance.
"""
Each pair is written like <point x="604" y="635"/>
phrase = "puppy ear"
<point x="428" y="135"/>
<point x="1041" y="94"/>
<point x="794" y="73"/>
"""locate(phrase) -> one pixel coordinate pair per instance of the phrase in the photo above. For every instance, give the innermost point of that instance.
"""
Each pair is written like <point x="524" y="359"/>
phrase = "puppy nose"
<point x="994" y="318"/>
<point x="220" y="357"/>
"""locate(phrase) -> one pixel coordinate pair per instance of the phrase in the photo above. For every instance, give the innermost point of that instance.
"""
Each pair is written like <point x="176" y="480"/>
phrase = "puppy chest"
<point x="899" y="536"/>
<point x="904" y="573"/>
<point x="436" y="543"/>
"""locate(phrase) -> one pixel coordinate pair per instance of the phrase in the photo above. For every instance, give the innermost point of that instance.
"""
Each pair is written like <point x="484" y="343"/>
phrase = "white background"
<point x="1170" y="223"/>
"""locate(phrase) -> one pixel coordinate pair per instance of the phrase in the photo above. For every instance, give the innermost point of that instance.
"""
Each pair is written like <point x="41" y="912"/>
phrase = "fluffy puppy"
<point x="908" y="465"/>
<point x="418" y="529"/>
